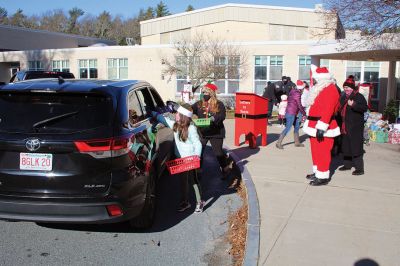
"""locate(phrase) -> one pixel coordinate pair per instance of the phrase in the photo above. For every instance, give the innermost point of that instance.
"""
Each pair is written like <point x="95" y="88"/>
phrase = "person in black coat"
<point x="352" y="108"/>
<point x="210" y="107"/>
<point x="269" y="93"/>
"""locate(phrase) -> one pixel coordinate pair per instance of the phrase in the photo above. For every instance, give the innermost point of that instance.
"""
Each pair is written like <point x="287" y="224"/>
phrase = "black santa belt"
<point x="251" y="116"/>
<point x="317" y="118"/>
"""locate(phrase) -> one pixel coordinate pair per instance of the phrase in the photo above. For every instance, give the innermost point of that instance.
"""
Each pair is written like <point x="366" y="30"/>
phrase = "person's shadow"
<point x="168" y="198"/>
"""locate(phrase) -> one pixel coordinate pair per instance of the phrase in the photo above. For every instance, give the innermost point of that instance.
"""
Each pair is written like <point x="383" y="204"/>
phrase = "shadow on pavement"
<point x="169" y="193"/>
<point x="335" y="163"/>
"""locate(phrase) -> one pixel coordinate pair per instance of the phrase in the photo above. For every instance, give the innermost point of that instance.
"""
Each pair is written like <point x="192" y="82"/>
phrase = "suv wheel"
<point x="147" y="215"/>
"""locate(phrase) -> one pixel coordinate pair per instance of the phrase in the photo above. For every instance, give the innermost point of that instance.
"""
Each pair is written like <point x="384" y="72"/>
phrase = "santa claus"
<point x="320" y="124"/>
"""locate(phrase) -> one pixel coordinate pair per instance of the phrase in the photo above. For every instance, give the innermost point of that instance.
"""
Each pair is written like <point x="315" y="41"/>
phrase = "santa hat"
<point x="350" y="83"/>
<point x="211" y="86"/>
<point x="184" y="111"/>
<point x="320" y="73"/>
<point x="300" y="84"/>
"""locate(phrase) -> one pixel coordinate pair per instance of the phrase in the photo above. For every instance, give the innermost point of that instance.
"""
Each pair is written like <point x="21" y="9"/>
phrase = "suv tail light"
<point x="105" y="148"/>
<point x="114" y="210"/>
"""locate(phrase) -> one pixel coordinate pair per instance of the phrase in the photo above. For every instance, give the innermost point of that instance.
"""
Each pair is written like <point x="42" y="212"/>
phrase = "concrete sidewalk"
<point x="351" y="219"/>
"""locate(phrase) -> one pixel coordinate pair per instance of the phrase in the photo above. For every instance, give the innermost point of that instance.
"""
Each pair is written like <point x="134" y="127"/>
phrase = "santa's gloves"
<point x="172" y="106"/>
<point x="320" y="135"/>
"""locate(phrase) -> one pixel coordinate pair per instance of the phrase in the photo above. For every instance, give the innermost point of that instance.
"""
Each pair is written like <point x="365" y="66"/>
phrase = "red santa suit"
<point x="323" y="100"/>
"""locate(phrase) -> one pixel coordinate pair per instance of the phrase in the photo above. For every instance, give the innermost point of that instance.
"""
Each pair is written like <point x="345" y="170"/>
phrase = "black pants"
<point x="356" y="161"/>
<point x="270" y="107"/>
<point x="216" y="144"/>
<point x="190" y="178"/>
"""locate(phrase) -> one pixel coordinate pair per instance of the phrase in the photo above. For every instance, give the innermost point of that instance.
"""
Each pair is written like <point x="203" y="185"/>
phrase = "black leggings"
<point x="216" y="144"/>
<point x="190" y="177"/>
<point x="356" y="161"/>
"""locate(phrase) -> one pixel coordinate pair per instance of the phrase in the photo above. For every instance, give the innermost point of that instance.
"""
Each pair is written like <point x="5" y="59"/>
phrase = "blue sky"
<point x="129" y="8"/>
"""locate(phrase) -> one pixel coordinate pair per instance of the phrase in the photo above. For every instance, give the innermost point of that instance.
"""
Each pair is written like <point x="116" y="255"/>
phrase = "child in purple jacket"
<point x="292" y="110"/>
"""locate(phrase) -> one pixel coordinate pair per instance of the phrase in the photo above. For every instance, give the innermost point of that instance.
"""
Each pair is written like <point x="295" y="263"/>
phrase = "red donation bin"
<point x="251" y="118"/>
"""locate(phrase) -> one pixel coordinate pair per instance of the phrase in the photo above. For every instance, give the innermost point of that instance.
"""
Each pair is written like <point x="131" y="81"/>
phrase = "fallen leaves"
<point x="238" y="229"/>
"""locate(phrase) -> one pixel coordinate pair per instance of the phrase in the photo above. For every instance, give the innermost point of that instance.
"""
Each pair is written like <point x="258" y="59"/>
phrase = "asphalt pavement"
<point x="175" y="239"/>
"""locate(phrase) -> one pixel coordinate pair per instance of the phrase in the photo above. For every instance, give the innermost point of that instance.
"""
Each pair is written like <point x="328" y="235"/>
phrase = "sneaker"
<point x="199" y="207"/>
<point x="184" y="206"/>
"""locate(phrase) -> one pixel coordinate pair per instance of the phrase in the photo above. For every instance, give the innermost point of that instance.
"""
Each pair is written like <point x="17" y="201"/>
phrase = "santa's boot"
<point x="279" y="142"/>
<point x="319" y="181"/>
<point x="297" y="142"/>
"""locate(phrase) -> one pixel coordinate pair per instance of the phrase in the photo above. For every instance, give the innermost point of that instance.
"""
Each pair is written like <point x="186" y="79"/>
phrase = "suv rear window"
<point x="26" y="112"/>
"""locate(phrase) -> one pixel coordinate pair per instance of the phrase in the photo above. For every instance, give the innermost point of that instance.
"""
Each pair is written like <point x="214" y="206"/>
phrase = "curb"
<point x="253" y="223"/>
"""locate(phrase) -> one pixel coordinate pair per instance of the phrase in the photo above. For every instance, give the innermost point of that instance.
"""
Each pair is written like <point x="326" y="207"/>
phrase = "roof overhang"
<point x="378" y="49"/>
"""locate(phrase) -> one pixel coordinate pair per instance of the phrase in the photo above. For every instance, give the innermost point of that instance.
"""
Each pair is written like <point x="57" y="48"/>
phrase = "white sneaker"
<point x="199" y="207"/>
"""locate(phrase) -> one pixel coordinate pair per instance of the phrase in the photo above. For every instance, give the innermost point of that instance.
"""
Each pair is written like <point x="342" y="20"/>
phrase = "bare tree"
<point x="372" y="20"/>
<point x="87" y="25"/>
<point x="53" y="21"/>
<point x="18" y="18"/>
<point x="204" y="58"/>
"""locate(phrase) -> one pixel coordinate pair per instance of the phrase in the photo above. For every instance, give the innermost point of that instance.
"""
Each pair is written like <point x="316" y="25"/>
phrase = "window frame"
<point x="362" y="76"/>
<point x="61" y="65"/>
<point x="226" y="80"/>
<point x="307" y="58"/>
<point x="88" y="68"/>
<point x="268" y="70"/>
<point x="118" y="67"/>
<point x="38" y="65"/>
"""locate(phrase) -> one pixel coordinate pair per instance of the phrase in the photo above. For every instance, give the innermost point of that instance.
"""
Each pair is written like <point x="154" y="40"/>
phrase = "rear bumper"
<point x="66" y="212"/>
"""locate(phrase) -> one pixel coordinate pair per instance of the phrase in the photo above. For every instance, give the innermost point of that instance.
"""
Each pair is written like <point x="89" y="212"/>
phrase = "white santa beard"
<point x="315" y="90"/>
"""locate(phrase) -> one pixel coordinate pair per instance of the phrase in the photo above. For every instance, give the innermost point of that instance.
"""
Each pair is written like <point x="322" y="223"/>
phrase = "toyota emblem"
<point x="32" y="144"/>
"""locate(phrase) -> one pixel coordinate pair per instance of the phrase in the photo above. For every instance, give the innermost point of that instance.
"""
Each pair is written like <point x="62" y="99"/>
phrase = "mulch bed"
<point x="237" y="232"/>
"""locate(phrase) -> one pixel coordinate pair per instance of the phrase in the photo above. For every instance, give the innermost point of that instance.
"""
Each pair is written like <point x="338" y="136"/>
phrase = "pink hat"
<point x="300" y="84"/>
<point x="320" y="73"/>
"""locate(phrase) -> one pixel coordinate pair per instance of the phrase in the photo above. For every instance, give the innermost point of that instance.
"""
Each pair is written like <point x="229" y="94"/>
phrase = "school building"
<point x="278" y="41"/>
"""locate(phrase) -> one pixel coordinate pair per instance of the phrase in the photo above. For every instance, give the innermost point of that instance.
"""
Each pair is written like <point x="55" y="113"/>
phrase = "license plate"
<point x="36" y="161"/>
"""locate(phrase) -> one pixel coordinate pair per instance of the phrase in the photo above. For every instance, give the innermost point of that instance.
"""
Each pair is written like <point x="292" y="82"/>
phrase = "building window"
<point x="354" y="68"/>
<point x="266" y="68"/>
<point x="60" y="65"/>
<point x="88" y="68"/>
<point x="366" y="72"/>
<point x="227" y="74"/>
<point x="324" y="63"/>
<point x="117" y="68"/>
<point x="35" y="65"/>
<point x="371" y="75"/>
<point x="304" y="67"/>
<point x="186" y="66"/>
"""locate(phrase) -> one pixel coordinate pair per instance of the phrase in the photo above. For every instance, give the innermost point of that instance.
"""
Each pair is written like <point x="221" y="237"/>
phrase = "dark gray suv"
<point x="80" y="151"/>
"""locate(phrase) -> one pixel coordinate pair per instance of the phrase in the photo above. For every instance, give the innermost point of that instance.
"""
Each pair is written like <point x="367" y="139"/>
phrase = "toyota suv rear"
<point x="80" y="151"/>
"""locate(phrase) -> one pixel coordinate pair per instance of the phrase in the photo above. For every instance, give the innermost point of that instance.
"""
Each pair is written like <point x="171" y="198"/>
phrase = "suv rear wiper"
<point x="53" y="119"/>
